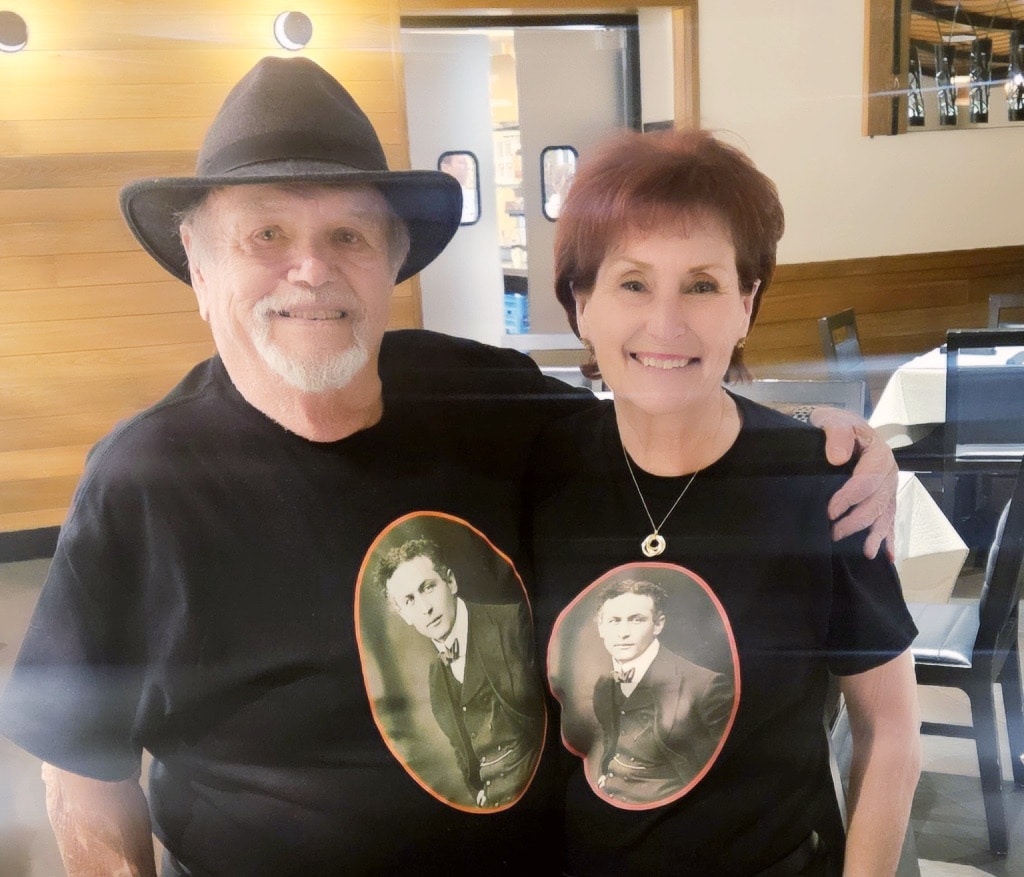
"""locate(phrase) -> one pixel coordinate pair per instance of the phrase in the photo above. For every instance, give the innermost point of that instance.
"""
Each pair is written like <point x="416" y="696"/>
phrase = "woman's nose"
<point x="667" y="318"/>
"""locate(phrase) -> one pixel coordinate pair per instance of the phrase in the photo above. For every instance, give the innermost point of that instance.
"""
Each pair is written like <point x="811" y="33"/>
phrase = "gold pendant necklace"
<point x="654" y="543"/>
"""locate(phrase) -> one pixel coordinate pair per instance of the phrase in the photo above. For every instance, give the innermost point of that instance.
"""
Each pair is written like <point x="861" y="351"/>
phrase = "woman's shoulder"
<point x="573" y="441"/>
<point x="778" y="440"/>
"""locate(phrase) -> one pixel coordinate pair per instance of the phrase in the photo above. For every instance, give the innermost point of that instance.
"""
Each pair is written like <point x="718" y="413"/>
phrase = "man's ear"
<point x="659" y="625"/>
<point x="198" y="281"/>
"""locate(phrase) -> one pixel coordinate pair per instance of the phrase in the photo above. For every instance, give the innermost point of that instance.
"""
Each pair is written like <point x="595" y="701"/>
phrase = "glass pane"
<point x="463" y="166"/>
<point x="558" y="167"/>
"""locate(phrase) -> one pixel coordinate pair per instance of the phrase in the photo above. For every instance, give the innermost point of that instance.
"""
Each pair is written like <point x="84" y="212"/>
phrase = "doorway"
<point x="507" y="106"/>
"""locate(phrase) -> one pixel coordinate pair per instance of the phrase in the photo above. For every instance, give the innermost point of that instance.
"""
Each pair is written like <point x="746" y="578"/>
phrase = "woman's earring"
<point x="741" y="343"/>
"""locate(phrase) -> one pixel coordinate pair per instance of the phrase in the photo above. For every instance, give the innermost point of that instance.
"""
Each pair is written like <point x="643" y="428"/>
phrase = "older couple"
<point x="207" y="603"/>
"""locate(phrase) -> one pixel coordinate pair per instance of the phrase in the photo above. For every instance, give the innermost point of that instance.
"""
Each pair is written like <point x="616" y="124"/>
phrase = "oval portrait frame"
<point x="698" y="638"/>
<point x="402" y="668"/>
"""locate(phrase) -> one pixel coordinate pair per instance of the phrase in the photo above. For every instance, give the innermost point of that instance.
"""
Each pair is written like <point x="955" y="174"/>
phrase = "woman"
<point x="686" y="578"/>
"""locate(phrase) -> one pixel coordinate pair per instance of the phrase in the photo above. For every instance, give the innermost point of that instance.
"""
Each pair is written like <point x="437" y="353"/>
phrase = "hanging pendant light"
<point x="945" y="69"/>
<point x="1015" y="76"/>
<point x="915" y="96"/>
<point x="981" y="78"/>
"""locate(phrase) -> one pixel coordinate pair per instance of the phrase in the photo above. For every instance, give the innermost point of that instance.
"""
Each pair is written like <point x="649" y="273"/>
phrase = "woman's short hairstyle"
<point x="648" y="182"/>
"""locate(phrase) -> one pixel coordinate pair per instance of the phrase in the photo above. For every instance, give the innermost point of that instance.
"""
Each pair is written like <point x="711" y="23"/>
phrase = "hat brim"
<point x="430" y="203"/>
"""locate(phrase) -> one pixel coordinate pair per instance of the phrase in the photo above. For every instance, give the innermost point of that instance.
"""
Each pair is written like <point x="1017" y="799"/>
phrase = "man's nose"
<point x="311" y="264"/>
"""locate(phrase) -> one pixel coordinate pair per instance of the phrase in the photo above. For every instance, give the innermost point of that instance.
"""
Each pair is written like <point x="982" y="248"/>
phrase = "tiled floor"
<point x="948" y="819"/>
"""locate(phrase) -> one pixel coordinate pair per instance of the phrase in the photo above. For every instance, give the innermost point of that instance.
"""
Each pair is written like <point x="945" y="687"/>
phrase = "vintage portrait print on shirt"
<point x="645" y="667"/>
<point x="449" y="661"/>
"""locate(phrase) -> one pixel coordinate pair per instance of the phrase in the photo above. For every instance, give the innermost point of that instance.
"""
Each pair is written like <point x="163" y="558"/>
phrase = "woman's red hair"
<point x="645" y="182"/>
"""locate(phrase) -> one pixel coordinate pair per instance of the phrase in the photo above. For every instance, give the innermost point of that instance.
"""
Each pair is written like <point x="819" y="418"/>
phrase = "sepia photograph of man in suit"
<point x="663" y="717"/>
<point x="485" y="691"/>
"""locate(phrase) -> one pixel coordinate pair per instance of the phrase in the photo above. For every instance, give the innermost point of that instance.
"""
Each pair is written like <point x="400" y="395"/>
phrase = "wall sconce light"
<point x="1015" y="76"/>
<point x="915" y="96"/>
<point x="981" y="76"/>
<point x="293" y="30"/>
<point x="13" y="32"/>
<point x="945" y="67"/>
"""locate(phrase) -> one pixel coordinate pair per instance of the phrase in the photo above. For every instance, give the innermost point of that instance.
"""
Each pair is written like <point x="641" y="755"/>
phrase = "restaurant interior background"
<point x="914" y="232"/>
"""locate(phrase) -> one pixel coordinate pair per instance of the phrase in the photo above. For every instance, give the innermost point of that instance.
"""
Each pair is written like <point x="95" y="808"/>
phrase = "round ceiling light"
<point x="13" y="32"/>
<point x="293" y="30"/>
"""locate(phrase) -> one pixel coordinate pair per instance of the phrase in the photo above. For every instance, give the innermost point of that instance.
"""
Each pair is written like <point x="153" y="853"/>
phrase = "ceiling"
<point x="934" y="21"/>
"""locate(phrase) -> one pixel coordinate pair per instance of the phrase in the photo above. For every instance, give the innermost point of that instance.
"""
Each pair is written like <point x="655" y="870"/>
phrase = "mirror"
<point x="936" y="65"/>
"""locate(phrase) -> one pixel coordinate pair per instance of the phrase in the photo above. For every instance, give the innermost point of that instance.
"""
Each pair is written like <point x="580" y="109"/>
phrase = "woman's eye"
<point x="266" y="235"/>
<point x="704" y="286"/>
<point x="633" y="285"/>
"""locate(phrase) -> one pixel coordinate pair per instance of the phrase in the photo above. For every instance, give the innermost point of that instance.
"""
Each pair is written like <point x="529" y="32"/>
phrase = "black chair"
<point x="849" y="394"/>
<point x="973" y="646"/>
<point x="1005" y="301"/>
<point x="983" y="435"/>
<point x="840" y="343"/>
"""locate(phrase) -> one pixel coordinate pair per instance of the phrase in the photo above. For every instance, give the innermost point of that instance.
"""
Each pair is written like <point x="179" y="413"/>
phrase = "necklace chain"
<point x="654" y="544"/>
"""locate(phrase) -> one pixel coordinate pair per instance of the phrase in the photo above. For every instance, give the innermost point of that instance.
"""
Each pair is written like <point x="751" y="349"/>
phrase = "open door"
<point x="524" y="100"/>
<point x="448" y="104"/>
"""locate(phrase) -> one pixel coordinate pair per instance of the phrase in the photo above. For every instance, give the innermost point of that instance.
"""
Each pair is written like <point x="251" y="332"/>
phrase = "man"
<point x="663" y="717"/>
<point x="485" y="688"/>
<point x="199" y="603"/>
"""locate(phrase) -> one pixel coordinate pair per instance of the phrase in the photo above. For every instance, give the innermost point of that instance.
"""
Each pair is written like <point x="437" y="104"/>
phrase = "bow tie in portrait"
<point x="450" y="653"/>
<point x="625" y="675"/>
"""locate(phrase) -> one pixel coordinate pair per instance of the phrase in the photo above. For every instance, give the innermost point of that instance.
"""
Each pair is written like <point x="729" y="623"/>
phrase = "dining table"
<point x="929" y="553"/>
<point x="913" y="402"/>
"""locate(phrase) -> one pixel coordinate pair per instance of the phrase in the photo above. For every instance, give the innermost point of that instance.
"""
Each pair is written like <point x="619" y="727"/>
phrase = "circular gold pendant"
<point x="653" y="545"/>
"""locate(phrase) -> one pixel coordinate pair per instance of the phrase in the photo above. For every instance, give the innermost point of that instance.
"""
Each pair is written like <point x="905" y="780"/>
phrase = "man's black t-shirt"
<point x="202" y="605"/>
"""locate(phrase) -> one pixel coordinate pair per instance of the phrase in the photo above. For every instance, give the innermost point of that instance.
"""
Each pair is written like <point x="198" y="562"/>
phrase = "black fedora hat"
<point x="286" y="121"/>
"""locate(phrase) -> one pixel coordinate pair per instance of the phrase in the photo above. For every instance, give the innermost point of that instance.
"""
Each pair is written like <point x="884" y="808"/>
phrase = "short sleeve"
<point x="869" y="623"/>
<point x="74" y="688"/>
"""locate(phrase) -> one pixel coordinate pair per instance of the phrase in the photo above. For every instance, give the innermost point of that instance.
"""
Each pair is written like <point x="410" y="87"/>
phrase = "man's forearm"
<point x="102" y="829"/>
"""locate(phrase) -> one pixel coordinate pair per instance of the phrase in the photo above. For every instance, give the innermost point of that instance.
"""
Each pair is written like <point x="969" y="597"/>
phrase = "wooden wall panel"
<point x="904" y="306"/>
<point x="107" y="92"/>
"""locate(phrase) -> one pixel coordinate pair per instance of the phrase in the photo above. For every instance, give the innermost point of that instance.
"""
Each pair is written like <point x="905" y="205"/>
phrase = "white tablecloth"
<point x="929" y="551"/>
<point x="915" y="395"/>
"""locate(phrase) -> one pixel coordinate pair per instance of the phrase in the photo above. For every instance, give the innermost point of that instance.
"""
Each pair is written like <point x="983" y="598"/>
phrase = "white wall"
<point x="784" y="77"/>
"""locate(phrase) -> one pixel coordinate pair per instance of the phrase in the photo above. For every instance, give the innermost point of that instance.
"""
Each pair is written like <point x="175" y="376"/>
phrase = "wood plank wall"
<point x="111" y="91"/>
<point x="107" y="92"/>
<point x="904" y="305"/>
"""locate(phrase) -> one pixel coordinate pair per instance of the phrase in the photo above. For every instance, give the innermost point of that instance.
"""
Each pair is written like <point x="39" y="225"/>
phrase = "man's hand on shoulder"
<point x="868" y="499"/>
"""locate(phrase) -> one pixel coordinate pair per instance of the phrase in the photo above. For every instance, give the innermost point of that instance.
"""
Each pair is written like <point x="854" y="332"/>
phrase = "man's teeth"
<point x="660" y="362"/>
<point x="314" y="315"/>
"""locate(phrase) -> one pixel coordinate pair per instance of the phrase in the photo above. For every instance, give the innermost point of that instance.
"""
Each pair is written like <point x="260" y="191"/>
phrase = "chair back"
<point x="840" y="344"/>
<point x="984" y="402"/>
<point x="849" y="394"/>
<point x="999" y="606"/>
<point x="839" y="337"/>
<point x="1005" y="301"/>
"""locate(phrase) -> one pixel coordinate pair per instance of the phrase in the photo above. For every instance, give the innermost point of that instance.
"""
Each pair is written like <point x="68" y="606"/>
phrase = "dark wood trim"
<point x="884" y="90"/>
<point x="962" y="261"/>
